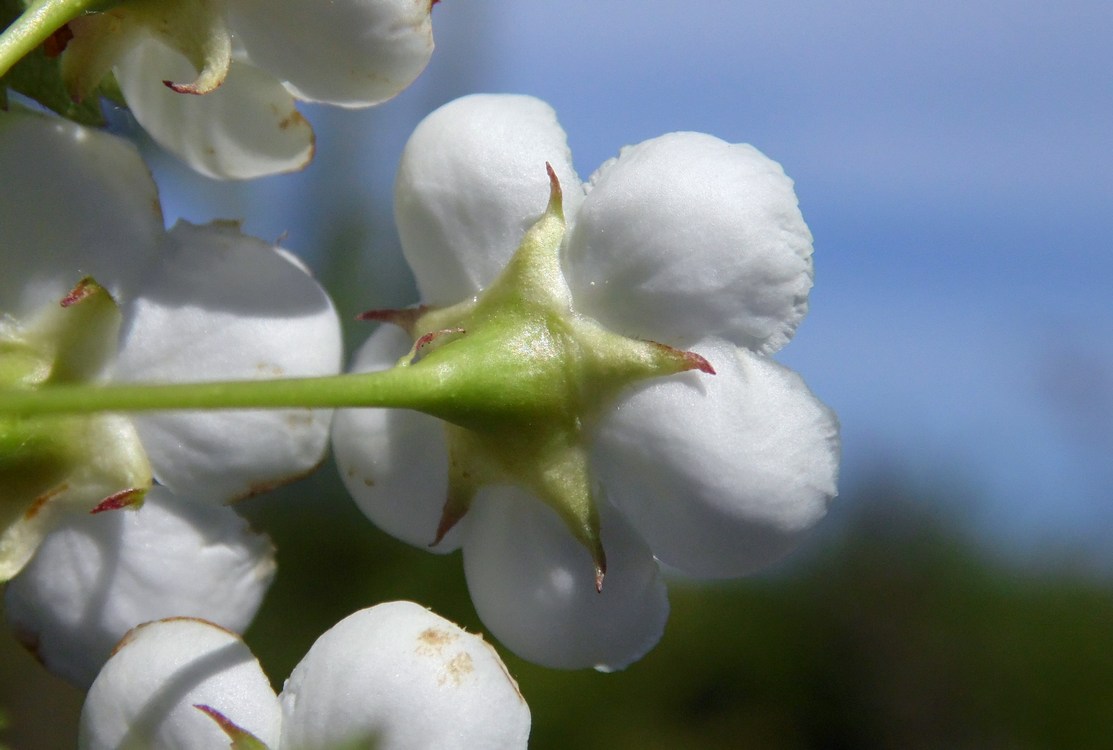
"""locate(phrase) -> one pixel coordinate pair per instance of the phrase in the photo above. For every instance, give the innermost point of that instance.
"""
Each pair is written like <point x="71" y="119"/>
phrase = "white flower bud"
<point x="148" y="692"/>
<point x="402" y="676"/>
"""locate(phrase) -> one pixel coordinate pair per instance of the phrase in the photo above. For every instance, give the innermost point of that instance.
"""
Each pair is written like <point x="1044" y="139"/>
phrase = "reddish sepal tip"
<point x="405" y="318"/>
<point x="56" y="43"/>
<point x="127" y="498"/>
<point x="699" y="363"/>
<point x="81" y="291"/>
<point x="554" y="183"/>
<point x="183" y="88"/>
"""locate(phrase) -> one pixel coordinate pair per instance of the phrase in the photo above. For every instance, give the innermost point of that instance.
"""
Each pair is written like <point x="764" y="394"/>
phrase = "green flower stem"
<point x="36" y="25"/>
<point x="400" y="387"/>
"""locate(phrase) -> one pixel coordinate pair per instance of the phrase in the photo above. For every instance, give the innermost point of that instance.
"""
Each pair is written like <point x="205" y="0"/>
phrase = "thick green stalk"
<point x="36" y="25"/>
<point x="400" y="387"/>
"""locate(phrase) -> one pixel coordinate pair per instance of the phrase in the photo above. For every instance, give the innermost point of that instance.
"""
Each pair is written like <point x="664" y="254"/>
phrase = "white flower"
<point x="408" y="678"/>
<point x="684" y="240"/>
<point x="149" y="692"/>
<point x="215" y="82"/>
<point x="396" y="674"/>
<point x="96" y="577"/>
<point x="194" y="304"/>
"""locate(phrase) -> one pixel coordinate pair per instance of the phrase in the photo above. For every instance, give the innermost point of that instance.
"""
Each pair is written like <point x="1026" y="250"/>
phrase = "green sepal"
<point x="521" y="378"/>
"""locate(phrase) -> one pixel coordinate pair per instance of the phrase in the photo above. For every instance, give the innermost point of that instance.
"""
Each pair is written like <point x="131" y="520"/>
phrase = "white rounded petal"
<point x="394" y="462"/>
<point x="84" y="204"/>
<point x="686" y="236"/>
<point x="533" y="585"/>
<point x="406" y="678"/>
<point x="246" y="128"/>
<point x="722" y="474"/>
<point x="147" y="692"/>
<point x="98" y="576"/>
<point x="353" y="53"/>
<point x="225" y="306"/>
<point x="471" y="181"/>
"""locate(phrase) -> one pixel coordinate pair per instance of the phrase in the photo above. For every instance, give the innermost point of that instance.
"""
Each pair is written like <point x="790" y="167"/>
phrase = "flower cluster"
<point x="215" y="82"/>
<point x="587" y="396"/>
<point x="393" y="676"/>
<point x="683" y="240"/>
<point x="195" y="303"/>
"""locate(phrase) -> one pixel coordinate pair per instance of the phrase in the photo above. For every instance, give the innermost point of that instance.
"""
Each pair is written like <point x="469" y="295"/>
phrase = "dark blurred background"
<point x="894" y="628"/>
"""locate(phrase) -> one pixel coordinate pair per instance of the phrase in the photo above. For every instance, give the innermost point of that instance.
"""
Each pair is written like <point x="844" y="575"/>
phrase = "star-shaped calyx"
<point x="521" y="378"/>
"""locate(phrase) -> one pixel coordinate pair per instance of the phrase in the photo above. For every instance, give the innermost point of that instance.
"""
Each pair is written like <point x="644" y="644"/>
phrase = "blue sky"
<point x="953" y="159"/>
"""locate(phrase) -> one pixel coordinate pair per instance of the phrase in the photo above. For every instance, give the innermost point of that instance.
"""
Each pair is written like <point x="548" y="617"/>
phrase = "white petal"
<point x="346" y="52"/>
<point x="83" y="204"/>
<point x="147" y="692"/>
<point x="227" y="307"/>
<point x="686" y="236"/>
<point x="407" y="678"/>
<point x="247" y="128"/>
<point x="721" y="474"/>
<point x="533" y="585"/>
<point x="394" y="462"/>
<point x="97" y="576"/>
<point x="472" y="180"/>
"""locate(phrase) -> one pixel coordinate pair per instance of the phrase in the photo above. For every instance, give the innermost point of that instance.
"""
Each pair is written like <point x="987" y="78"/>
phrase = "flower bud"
<point x="150" y="692"/>
<point x="403" y="677"/>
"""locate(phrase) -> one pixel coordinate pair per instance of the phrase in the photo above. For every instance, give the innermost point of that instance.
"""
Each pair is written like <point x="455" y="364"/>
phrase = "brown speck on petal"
<point x="456" y="669"/>
<point x="294" y="119"/>
<point x="40" y="502"/>
<point x="432" y="640"/>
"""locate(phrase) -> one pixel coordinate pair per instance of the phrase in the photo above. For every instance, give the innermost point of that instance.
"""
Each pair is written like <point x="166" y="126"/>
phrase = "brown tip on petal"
<point x="84" y="288"/>
<point x="124" y="499"/>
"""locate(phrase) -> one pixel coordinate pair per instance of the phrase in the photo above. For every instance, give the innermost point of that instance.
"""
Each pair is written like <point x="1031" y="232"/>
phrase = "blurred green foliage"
<point x="892" y="629"/>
